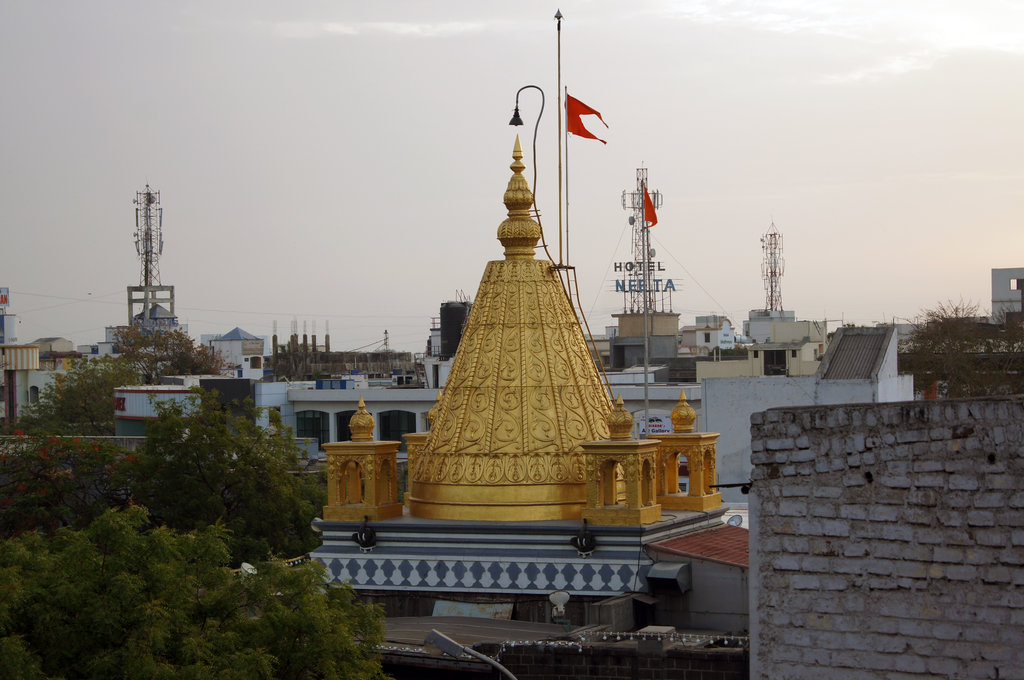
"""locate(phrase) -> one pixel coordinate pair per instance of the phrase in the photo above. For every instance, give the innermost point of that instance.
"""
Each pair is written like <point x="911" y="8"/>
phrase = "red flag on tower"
<point x="649" y="215"/>
<point x="574" y="108"/>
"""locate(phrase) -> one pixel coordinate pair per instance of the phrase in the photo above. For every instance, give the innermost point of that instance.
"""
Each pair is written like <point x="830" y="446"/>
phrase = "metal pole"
<point x="561" y="103"/>
<point x="646" y="293"/>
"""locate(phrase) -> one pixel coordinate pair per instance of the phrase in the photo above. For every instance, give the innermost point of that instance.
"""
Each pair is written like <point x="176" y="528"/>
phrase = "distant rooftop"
<point x="856" y="353"/>
<point x="237" y="333"/>
<point x="726" y="544"/>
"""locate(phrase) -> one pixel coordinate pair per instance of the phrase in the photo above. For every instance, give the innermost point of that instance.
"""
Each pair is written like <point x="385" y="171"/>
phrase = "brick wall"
<point x="622" y="661"/>
<point x="887" y="541"/>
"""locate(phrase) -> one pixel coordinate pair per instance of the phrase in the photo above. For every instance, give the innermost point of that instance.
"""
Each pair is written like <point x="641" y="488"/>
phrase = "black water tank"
<point x="453" y="318"/>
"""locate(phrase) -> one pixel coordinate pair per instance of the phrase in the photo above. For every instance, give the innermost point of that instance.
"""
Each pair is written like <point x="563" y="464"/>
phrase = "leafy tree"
<point x="48" y="482"/>
<point x="117" y="601"/>
<point x="954" y="352"/>
<point x="153" y="354"/>
<point x="204" y="464"/>
<point x="81" y="401"/>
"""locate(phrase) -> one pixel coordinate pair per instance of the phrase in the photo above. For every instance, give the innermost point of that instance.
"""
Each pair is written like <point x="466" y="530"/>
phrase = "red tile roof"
<point x="726" y="544"/>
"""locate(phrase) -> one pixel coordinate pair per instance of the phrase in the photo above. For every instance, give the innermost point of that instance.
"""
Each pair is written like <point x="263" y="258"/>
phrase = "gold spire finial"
<point x="683" y="416"/>
<point x="518" y="233"/>
<point x="620" y="422"/>
<point x="361" y="424"/>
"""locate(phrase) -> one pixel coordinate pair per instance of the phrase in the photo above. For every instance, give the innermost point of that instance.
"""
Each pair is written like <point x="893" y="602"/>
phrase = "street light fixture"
<point x="454" y="649"/>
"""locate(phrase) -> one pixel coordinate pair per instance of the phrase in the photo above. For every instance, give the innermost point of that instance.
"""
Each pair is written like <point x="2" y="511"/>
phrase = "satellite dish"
<point x="652" y="253"/>
<point x="632" y="220"/>
<point x="735" y="521"/>
<point x="248" y="568"/>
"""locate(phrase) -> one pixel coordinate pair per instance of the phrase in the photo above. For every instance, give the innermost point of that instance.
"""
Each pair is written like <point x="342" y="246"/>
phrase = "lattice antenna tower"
<point x="772" y="268"/>
<point x="640" y="283"/>
<point x="149" y="238"/>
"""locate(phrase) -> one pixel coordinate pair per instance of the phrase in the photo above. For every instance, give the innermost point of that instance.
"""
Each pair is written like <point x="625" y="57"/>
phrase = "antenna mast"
<point x="772" y="269"/>
<point x="149" y="240"/>
<point x="150" y="304"/>
<point x="640" y="280"/>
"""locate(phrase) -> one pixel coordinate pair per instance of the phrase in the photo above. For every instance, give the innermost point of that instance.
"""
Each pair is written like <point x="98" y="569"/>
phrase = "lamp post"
<point x="516" y="120"/>
<point x="454" y="649"/>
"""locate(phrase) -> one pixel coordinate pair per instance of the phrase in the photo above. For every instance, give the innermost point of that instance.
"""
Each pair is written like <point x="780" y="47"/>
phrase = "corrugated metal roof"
<point x="856" y="353"/>
<point x="726" y="543"/>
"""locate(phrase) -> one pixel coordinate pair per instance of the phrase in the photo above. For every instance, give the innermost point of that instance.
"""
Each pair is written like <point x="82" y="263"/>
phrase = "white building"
<point x="793" y="348"/>
<point x="708" y="333"/>
<point x="242" y="352"/>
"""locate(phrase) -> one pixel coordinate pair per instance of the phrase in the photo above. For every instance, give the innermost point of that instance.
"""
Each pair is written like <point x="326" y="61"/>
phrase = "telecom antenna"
<point x="150" y="304"/>
<point x="772" y="269"/>
<point x="640" y="281"/>
<point x="149" y="240"/>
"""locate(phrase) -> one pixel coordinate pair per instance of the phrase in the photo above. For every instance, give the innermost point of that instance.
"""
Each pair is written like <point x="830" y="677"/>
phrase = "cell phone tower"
<point x="149" y="240"/>
<point x="639" y="276"/>
<point x="150" y="305"/>
<point x="772" y="269"/>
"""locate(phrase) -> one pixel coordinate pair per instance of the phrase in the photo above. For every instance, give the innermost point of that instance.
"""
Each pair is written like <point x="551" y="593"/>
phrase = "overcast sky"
<point x="344" y="162"/>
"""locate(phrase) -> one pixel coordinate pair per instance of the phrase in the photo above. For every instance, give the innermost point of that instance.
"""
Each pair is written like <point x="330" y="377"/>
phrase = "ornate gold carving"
<point x="522" y="396"/>
<point x="361" y="424"/>
<point x="432" y="413"/>
<point x="620" y="422"/>
<point x="683" y="416"/>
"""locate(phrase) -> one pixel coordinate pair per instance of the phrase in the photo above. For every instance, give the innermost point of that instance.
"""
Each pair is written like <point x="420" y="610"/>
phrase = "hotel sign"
<point x="635" y="282"/>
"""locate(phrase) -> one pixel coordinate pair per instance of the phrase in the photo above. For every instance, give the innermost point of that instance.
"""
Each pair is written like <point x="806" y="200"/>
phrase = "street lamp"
<point x="454" y="649"/>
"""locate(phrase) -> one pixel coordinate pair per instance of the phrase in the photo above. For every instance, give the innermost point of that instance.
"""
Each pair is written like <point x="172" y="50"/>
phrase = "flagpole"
<point x="564" y="95"/>
<point x="561" y="104"/>
<point x="647" y="329"/>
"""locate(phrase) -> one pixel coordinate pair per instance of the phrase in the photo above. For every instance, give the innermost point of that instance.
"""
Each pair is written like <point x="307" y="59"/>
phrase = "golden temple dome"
<point x="522" y="396"/>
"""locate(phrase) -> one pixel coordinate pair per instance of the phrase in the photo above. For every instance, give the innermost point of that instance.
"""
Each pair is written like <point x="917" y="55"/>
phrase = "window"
<point x="792" y="353"/>
<point x="707" y="337"/>
<point x="393" y="424"/>
<point x="313" y="424"/>
<point x="341" y="422"/>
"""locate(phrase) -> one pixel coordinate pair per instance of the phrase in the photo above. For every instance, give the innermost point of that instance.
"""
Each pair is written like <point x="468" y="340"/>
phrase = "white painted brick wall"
<point x="888" y="541"/>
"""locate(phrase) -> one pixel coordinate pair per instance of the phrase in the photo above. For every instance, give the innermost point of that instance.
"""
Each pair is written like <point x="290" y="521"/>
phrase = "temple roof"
<point x="523" y="379"/>
<point x="523" y="393"/>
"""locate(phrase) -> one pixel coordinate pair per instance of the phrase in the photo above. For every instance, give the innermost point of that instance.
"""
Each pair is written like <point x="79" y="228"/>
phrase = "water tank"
<point x="453" y="319"/>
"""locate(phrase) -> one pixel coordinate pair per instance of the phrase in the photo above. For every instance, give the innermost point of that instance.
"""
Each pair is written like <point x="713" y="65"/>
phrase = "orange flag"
<point x="649" y="215"/>
<point x="574" y="108"/>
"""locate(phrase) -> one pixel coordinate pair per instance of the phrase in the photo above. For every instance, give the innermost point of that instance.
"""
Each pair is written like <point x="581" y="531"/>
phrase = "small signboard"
<point x="5" y="297"/>
<point x="657" y="423"/>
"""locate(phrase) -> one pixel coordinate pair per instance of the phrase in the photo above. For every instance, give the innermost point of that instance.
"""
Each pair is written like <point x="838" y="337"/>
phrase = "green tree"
<point x="81" y="401"/>
<point x="204" y="463"/>
<point x="117" y="601"/>
<point x="50" y="482"/>
<point x="153" y="354"/>
<point x="954" y="352"/>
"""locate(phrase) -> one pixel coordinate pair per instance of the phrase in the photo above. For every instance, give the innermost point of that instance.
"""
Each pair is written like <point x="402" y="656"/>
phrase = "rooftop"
<point x="726" y="544"/>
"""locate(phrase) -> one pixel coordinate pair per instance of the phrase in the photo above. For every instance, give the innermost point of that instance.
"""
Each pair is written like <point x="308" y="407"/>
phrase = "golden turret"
<point x="522" y="396"/>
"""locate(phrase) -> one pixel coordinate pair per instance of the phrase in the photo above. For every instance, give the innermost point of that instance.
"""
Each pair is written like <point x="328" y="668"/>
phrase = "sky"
<point x="340" y="165"/>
